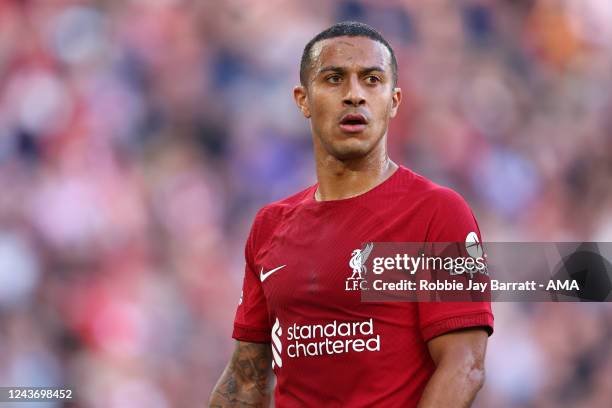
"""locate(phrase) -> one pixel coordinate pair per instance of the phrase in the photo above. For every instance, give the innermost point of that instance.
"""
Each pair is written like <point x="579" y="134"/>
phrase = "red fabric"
<point x="330" y="348"/>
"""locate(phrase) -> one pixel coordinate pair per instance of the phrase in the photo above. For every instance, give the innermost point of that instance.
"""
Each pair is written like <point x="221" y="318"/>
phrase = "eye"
<point x="334" y="79"/>
<point x="372" y="79"/>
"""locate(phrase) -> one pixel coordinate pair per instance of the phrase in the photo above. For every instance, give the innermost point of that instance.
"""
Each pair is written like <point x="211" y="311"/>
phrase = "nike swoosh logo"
<point x="263" y="276"/>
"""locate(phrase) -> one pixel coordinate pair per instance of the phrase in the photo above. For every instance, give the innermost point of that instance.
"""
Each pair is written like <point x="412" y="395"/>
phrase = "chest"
<point x="315" y="254"/>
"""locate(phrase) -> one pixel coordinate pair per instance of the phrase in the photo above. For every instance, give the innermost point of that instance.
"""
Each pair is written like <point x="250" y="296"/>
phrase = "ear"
<point x="301" y="100"/>
<point x="396" y="99"/>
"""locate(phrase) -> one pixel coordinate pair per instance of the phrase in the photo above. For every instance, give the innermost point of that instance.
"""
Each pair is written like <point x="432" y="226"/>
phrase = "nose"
<point x="354" y="93"/>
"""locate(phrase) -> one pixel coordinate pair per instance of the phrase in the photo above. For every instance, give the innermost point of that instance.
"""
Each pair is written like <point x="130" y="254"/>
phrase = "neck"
<point x="340" y="179"/>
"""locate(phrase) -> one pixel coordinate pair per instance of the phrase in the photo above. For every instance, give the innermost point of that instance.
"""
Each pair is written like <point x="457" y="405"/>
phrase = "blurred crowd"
<point x="138" y="138"/>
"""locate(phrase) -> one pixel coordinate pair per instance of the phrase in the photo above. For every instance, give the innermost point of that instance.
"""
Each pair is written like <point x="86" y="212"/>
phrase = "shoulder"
<point x="447" y="215"/>
<point x="279" y="210"/>
<point x="432" y="194"/>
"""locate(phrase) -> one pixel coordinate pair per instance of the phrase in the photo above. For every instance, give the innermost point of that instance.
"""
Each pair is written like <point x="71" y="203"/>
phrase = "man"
<point x="296" y="316"/>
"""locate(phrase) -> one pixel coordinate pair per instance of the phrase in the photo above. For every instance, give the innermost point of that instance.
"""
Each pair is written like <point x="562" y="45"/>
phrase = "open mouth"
<point x="353" y="123"/>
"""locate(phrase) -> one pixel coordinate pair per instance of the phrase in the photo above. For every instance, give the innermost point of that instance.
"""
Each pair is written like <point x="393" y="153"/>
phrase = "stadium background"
<point x="138" y="138"/>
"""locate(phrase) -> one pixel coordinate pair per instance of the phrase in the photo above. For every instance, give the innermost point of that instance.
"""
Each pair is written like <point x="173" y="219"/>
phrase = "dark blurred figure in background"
<point x="128" y="133"/>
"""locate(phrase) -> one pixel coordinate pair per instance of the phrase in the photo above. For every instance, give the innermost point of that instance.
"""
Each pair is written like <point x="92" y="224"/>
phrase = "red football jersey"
<point x="329" y="348"/>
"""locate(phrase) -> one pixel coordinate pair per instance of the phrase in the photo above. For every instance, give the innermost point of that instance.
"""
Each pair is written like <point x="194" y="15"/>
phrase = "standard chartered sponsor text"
<point x="331" y="338"/>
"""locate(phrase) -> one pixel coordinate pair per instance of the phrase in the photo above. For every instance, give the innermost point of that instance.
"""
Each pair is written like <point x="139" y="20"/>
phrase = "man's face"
<point x="350" y="96"/>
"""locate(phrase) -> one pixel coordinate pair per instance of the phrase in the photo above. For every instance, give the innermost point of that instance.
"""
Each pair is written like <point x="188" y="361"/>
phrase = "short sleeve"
<point x="251" y="322"/>
<point x="452" y="221"/>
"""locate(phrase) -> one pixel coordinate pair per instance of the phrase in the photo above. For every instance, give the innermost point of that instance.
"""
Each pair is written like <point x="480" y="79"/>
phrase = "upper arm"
<point x="465" y="348"/>
<point x="251" y="323"/>
<point x="252" y="363"/>
<point x="452" y="222"/>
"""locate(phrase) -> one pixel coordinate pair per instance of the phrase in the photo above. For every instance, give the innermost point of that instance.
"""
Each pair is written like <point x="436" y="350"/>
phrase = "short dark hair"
<point x="349" y="29"/>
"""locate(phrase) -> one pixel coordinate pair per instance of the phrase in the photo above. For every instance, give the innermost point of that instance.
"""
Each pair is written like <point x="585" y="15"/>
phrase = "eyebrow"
<point x="334" y="68"/>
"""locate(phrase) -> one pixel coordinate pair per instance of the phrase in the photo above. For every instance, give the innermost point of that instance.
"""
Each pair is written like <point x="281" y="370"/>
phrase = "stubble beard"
<point x="348" y="150"/>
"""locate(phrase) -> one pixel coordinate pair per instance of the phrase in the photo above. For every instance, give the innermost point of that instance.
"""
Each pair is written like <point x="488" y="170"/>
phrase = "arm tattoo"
<point x="245" y="381"/>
